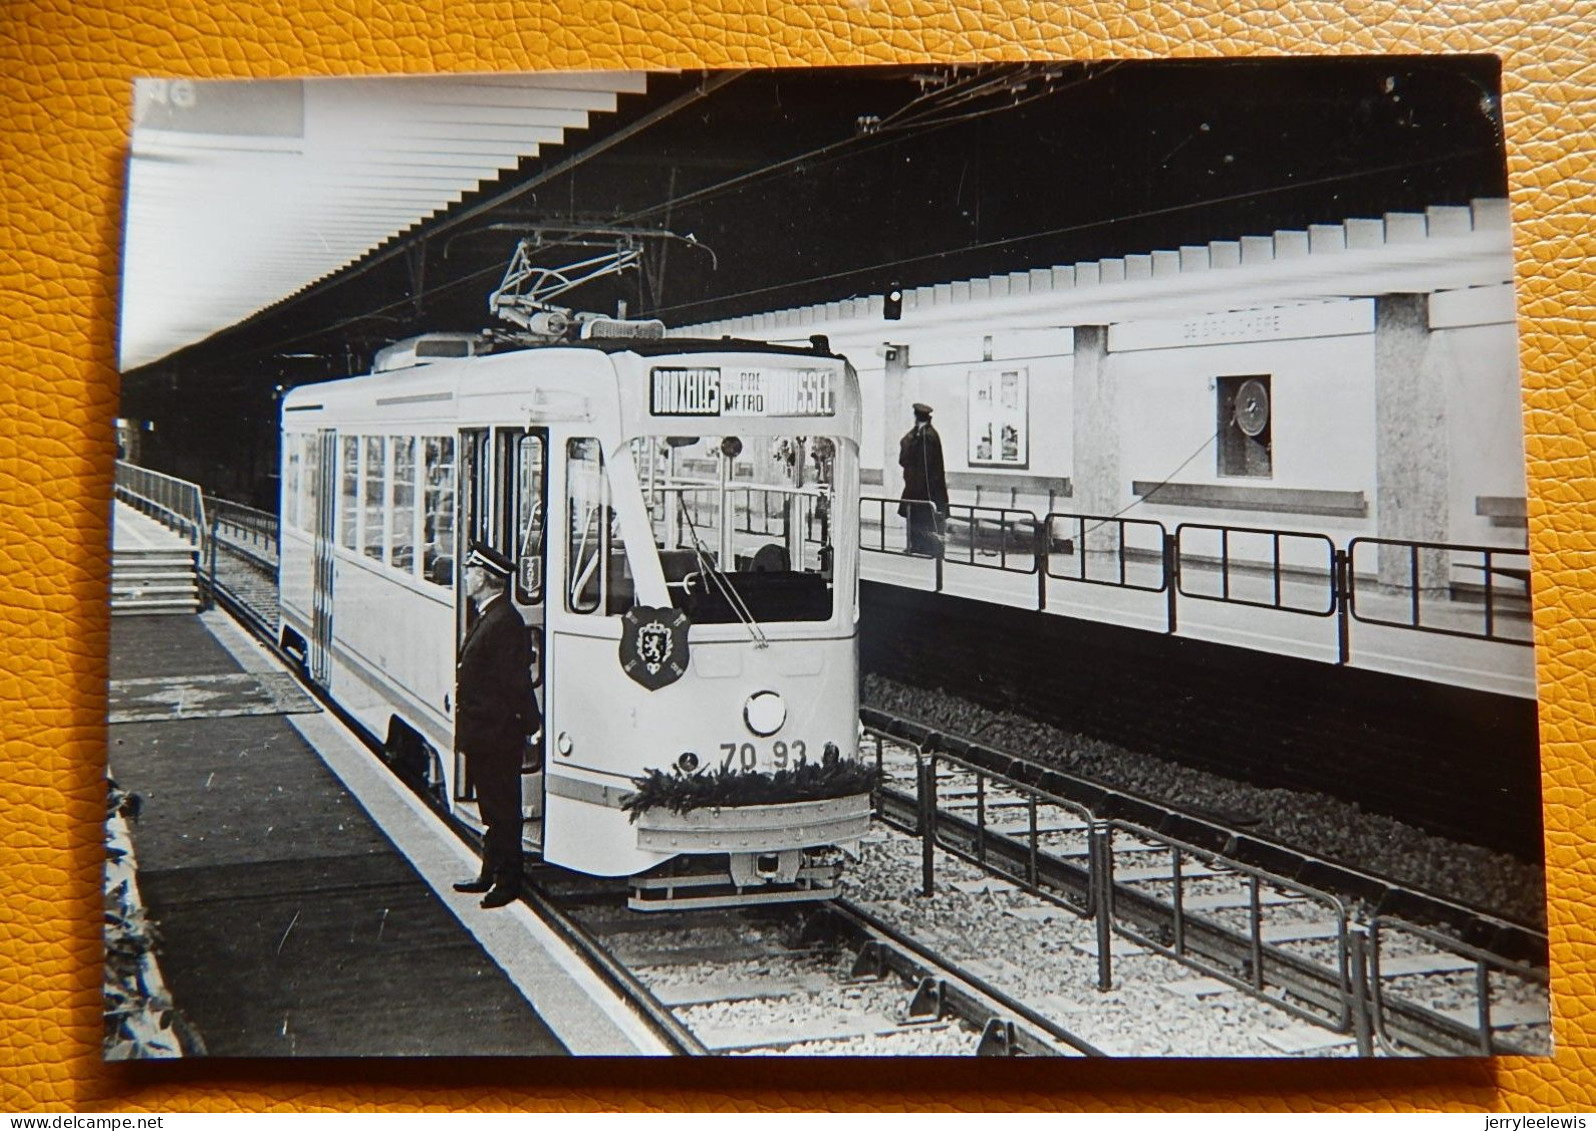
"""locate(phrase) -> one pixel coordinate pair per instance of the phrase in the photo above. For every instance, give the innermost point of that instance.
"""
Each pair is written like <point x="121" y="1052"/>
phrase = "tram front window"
<point x="743" y="524"/>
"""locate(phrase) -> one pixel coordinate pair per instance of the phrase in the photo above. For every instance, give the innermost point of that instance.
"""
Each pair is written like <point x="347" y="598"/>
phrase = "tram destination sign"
<point x="706" y="390"/>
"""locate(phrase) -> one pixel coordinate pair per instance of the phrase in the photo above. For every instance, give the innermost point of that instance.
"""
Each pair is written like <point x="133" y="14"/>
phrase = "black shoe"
<point x="501" y="896"/>
<point x="474" y="887"/>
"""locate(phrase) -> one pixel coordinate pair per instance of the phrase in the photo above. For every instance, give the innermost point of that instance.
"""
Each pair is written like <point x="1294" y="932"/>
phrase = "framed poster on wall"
<point x="999" y="402"/>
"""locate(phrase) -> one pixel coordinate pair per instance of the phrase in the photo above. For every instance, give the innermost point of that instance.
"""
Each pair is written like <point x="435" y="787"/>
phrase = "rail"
<point x="1391" y="588"/>
<point x="1354" y="987"/>
<point x="1256" y="967"/>
<point x="1265" y="569"/>
<point x="251" y="532"/>
<point x="175" y="503"/>
<point x="1341" y="990"/>
<point x="1448" y="589"/>
<point x="1475" y="1026"/>
<point x="1478" y="592"/>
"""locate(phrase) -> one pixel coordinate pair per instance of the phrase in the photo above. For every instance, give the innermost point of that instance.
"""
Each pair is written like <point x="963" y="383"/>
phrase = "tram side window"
<point x="292" y="447"/>
<point x="437" y="555"/>
<point x="311" y="478"/>
<point x="597" y="579"/>
<point x="375" y="504"/>
<point x="402" y="540"/>
<point x="349" y="493"/>
<point x="529" y="519"/>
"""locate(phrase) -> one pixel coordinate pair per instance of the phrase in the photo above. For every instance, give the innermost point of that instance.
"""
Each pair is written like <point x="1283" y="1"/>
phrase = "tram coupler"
<point x="734" y="880"/>
<point x="754" y="869"/>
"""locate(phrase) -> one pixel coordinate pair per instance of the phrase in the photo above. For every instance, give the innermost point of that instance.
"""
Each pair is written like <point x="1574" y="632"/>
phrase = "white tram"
<point x="633" y="482"/>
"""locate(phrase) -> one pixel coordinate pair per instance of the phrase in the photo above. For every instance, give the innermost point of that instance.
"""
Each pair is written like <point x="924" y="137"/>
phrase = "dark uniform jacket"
<point x="920" y="456"/>
<point x="496" y="709"/>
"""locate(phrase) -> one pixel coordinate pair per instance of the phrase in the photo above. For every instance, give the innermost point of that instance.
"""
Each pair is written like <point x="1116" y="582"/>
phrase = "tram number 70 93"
<point x="745" y="756"/>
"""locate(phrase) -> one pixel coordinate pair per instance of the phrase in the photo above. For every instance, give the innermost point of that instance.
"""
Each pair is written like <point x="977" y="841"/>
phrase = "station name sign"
<point x="708" y="390"/>
<point x="1234" y="327"/>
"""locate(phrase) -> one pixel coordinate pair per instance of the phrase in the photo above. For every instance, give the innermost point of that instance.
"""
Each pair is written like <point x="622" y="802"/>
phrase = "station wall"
<point x="1449" y="760"/>
<point x="1321" y="420"/>
<point x="1389" y="347"/>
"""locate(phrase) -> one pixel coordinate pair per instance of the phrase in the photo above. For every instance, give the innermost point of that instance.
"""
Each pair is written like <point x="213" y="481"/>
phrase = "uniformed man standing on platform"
<point x="495" y="712"/>
<point x="925" y="484"/>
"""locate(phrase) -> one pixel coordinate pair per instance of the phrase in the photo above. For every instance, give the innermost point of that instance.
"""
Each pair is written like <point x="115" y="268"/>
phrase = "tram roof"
<point x="447" y="371"/>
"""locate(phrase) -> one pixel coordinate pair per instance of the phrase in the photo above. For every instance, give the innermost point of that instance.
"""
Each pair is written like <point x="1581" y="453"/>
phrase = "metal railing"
<point x="1261" y="969"/>
<point x="1001" y="538"/>
<point x="1416" y="586"/>
<point x="1413" y="585"/>
<point x="1152" y="907"/>
<point x="1270" y="933"/>
<point x="1476" y="965"/>
<point x="1125" y="553"/>
<point x="175" y="503"/>
<point x="984" y="837"/>
<point x="1471" y="591"/>
<point x="253" y="533"/>
<point x="1257" y="572"/>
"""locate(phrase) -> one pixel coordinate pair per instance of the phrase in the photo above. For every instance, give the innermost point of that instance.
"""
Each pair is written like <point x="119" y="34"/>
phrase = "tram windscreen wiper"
<point x="707" y="566"/>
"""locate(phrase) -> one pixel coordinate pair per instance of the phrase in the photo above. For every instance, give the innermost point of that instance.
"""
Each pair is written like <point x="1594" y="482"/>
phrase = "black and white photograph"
<point x="940" y="560"/>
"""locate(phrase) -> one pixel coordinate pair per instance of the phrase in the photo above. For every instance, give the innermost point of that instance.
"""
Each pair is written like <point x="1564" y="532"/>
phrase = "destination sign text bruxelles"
<point x="709" y="391"/>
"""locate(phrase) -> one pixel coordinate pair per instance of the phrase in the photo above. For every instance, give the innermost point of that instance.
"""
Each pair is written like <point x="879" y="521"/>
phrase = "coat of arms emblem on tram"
<point x="654" y="645"/>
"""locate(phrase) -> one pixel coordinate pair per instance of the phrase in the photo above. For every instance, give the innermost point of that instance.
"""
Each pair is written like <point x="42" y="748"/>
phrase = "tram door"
<point x="503" y="485"/>
<point x="321" y="597"/>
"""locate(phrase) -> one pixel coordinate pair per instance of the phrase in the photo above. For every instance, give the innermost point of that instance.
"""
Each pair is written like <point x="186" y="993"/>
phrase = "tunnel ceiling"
<point x="753" y="191"/>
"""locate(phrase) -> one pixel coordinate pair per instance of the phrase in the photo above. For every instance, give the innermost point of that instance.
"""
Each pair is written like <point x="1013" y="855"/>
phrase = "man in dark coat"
<point x="925" y="484"/>
<point x="495" y="711"/>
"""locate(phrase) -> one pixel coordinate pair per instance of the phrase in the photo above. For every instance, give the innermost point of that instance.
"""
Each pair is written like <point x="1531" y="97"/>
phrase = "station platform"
<point x="131" y="530"/>
<point x="301" y="896"/>
<point x="1450" y="657"/>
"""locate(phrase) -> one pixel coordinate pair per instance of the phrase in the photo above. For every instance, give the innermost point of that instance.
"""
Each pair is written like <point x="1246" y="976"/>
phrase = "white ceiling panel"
<point x="243" y="193"/>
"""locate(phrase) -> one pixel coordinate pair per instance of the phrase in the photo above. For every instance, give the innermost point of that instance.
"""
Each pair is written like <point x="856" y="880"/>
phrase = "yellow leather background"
<point x="65" y="66"/>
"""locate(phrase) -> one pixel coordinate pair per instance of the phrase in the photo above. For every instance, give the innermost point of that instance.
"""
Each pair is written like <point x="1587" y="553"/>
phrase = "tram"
<point x="681" y="516"/>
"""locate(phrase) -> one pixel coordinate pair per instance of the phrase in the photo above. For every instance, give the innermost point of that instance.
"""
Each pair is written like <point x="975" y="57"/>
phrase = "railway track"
<point x="816" y="979"/>
<point x="1400" y="971"/>
<point x="857" y="985"/>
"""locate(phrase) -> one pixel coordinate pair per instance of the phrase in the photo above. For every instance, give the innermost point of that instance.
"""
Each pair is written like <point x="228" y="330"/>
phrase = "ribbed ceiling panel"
<point x="241" y="194"/>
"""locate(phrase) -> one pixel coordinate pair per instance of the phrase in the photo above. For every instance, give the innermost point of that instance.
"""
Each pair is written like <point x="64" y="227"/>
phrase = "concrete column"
<point x="1411" y="457"/>
<point x="1095" y="475"/>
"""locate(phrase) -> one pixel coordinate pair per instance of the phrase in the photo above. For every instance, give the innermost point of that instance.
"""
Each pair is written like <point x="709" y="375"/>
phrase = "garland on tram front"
<point x="725" y="788"/>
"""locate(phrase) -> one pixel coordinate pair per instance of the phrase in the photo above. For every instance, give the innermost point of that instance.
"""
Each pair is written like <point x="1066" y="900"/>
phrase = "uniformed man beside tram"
<point x="925" y="484"/>
<point x="495" y="712"/>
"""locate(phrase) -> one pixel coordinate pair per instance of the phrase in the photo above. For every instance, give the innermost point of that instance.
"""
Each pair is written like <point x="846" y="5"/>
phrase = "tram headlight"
<point x="830" y="755"/>
<point x="687" y="763"/>
<point x="764" y="713"/>
<point x="563" y="744"/>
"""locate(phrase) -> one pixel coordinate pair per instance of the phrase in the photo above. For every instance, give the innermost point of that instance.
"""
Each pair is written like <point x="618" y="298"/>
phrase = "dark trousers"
<point x="925" y="530"/>
<point x="497" y="782"/>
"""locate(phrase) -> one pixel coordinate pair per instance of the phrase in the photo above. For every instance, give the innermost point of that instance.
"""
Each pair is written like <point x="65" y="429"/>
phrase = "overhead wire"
<point x="1072" y="229"/>
<point x="852" y="145"/>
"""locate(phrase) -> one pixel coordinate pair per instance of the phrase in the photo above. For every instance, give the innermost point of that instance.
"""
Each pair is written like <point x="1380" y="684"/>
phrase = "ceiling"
<point x="241" y="194"/>
<point x="280" y="233"/>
